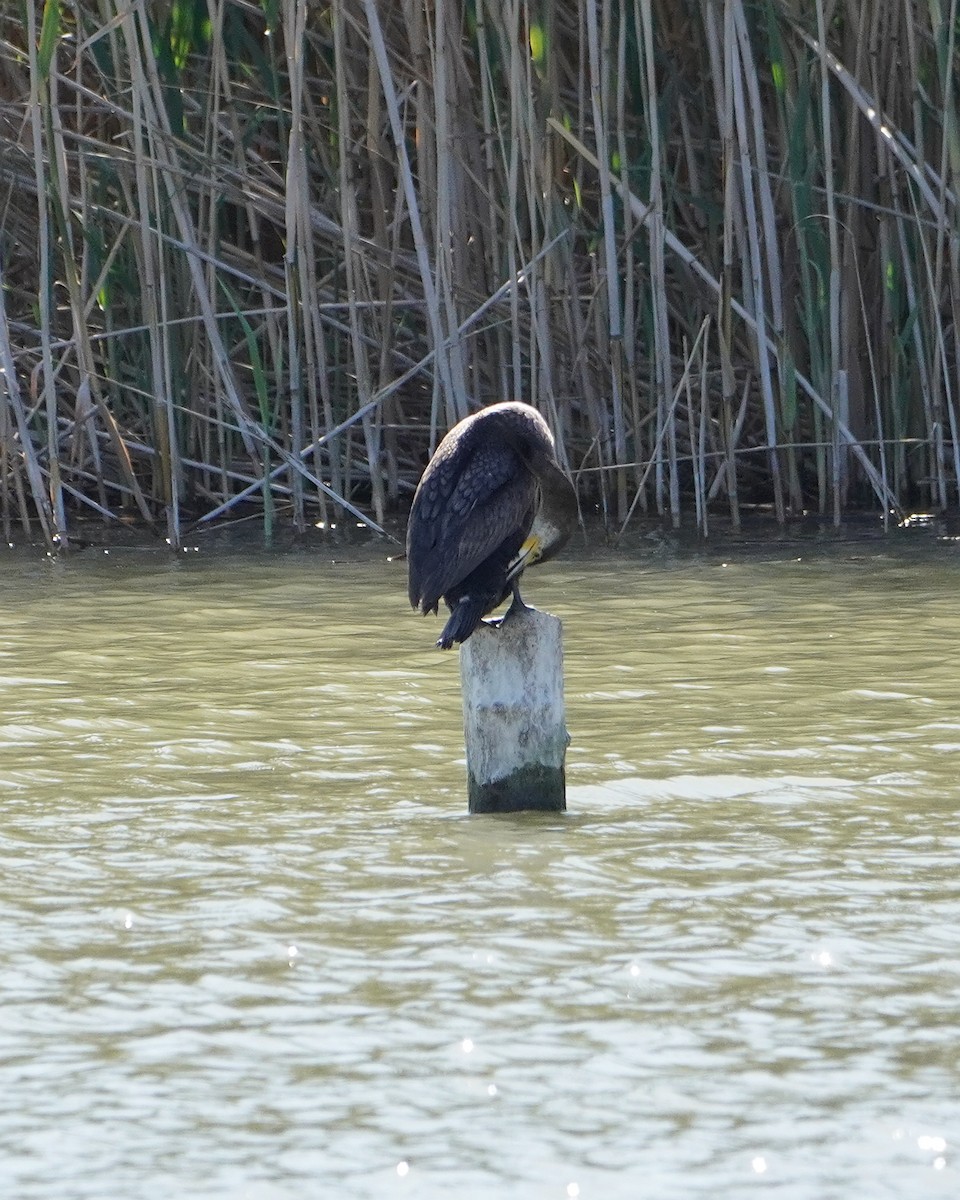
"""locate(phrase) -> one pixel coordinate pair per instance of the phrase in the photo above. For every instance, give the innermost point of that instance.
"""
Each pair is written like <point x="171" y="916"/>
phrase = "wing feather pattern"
<point x="471" y="498"/>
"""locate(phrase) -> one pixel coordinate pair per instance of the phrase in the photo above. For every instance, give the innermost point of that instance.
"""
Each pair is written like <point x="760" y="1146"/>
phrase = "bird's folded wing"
<point x="463" y="513"/>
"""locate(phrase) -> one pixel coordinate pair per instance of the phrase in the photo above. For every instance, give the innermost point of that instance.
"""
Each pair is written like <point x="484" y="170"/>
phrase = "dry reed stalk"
<point x="833" y="368"/>
<point x="512" y="39"/>
<point x="946" y="253"/>
<point x="357" y="284"/>
<point x="609" y="316"/>
<point x="14" y="404"/>
<point x="723" y="89"/>
<point x="767" y="283"/>
<point x="701" y="464"/>
<point x="662" y="370"/>
<point x="42" y="47"/>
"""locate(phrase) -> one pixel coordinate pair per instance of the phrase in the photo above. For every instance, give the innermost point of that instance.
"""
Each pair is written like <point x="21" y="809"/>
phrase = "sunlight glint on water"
<point x="254" y="947"/>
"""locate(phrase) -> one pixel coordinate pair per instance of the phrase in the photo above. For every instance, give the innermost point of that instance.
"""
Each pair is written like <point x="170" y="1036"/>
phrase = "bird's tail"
<point x="463" y="620"/>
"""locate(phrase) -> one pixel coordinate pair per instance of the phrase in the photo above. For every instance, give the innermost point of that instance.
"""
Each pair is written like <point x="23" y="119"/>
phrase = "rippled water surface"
<point x="251" y="945"/>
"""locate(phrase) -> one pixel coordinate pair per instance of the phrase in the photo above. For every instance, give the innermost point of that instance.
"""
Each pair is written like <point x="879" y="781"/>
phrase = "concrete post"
<point x="513" y="716"/>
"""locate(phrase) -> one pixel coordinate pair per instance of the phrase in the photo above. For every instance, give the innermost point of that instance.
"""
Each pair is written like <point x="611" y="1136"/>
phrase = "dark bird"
<point x="492" y="501"/>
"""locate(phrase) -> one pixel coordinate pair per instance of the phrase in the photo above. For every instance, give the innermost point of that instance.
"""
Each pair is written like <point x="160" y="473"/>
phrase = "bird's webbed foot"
<point x="517" y="606"/>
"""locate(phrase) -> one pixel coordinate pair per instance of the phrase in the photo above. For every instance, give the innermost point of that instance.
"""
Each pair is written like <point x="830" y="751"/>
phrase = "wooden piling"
<point x="513" y="715"/>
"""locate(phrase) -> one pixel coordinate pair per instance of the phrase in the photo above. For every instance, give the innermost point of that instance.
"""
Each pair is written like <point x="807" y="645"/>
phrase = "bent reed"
<point x="267" y="253"/>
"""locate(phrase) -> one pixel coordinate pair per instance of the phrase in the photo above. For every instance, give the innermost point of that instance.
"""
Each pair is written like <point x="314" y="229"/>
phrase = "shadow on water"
<point x="254" y="946"/>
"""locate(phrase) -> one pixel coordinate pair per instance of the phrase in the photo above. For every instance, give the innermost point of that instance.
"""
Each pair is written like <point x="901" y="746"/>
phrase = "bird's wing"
<point x="465" y="508"/>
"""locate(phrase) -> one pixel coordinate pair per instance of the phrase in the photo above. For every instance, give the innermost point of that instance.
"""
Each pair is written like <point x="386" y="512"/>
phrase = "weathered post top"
<point x="513" y="714"/>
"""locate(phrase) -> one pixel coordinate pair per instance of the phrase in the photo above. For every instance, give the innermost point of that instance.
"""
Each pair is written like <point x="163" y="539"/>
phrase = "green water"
<point x="253" y="946"/>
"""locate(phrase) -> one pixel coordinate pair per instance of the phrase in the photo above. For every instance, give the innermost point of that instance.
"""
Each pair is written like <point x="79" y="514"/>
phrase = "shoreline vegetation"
<point x="261" y="255"/>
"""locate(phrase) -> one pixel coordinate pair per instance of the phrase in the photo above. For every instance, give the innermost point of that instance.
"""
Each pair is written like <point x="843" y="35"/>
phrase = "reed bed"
<point x="259" y="256"/>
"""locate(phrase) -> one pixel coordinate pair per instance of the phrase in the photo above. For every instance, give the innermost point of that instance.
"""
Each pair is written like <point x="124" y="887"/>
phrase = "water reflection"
<point x="253" y="945"/>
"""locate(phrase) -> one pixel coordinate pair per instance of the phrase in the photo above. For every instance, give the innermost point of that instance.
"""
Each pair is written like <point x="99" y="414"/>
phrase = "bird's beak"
<point x="527" y="555"/>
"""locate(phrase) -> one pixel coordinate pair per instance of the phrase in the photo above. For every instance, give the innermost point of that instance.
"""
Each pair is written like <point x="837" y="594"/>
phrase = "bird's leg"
<point x="516" y="604"/>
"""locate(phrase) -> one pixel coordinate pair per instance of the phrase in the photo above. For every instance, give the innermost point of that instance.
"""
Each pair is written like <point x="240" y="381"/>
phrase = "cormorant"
<point x="492" y="501"/>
